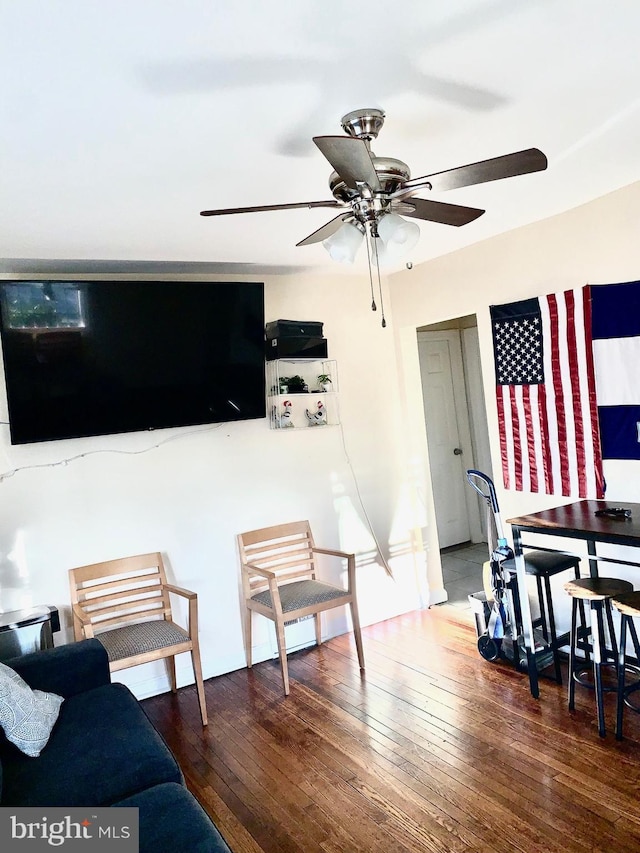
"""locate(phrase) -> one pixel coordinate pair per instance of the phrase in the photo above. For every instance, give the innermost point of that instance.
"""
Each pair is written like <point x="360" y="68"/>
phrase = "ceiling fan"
<point x="373" y="193"/>
<point x="366" y="187"/>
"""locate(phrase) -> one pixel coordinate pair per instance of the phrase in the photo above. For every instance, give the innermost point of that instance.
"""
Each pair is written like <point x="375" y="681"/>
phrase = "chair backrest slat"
<point x="97" y="609"/>
<point x="278" y="551"/>
<point x="124" y="618"/>
<point x="278" y="531"/>
<point x="88" y="600"/>
<point x="121" y="585"/>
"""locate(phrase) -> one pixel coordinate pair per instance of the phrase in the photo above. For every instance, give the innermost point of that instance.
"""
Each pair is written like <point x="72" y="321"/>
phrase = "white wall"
<point x="596" y="243"/>
<point x="189" y="496"/>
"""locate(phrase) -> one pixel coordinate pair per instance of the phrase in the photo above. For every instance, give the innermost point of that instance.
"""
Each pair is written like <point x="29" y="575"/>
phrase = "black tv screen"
<point x="88" y="358"/>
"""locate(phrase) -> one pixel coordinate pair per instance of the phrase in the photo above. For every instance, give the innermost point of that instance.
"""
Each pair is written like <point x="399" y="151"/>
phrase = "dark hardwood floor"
<point x="433" y="749"/>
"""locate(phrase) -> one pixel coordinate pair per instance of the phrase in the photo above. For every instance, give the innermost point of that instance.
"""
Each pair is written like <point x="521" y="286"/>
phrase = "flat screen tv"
<point x="88" y="358"/>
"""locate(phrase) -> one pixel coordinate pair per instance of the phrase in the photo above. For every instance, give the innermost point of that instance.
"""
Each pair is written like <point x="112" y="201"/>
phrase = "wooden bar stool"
<point x="599" y="593"/>
<point x="628" y="605"/>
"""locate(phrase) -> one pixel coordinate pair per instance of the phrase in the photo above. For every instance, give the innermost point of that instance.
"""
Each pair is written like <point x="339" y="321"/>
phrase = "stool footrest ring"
<point x="584" y="677"/>
<point x="631" y="688"/>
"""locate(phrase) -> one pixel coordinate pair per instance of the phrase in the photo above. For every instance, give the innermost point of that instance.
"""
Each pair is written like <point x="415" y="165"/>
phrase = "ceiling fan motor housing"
<point x="391" y="173"/>
<point x="363" y="124"/>
<point x="366" y="124"/>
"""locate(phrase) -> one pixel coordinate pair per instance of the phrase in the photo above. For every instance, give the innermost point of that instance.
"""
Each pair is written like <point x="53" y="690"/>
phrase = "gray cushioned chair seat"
<point x="298" y="594"/>
<point x="142" y="637"/>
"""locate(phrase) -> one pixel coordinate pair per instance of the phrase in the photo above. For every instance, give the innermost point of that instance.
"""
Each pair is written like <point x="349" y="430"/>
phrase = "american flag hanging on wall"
<point x="545" y="391"/>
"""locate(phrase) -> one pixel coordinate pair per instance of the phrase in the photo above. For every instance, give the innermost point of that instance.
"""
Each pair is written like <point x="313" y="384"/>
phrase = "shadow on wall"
<point x="390" y="578"/>
<point x="16" y="590"/>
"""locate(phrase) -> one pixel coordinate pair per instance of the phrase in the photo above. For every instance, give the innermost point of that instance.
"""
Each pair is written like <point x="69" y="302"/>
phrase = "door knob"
<point x="457" y="451"/>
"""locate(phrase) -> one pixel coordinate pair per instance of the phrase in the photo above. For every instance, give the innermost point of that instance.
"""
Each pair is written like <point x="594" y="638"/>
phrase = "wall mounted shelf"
<point x="296" y="397"/>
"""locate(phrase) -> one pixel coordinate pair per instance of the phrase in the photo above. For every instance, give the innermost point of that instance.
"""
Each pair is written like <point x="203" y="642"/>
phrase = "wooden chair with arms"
<point x="278" y="566"/>
<point x="125" y="604"/>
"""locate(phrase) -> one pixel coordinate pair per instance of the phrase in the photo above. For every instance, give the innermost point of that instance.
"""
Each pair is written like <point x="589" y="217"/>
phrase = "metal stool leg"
<point x="584" y="629"/>
<point x="543" y="612"/>
<point x="597" y="630"/>
<point x="621" y="674"/>
<point x="612" y="632"/>
<point x="573" y="640"/>
<point x="634" y="638"/>
<point x="552" y="629"/>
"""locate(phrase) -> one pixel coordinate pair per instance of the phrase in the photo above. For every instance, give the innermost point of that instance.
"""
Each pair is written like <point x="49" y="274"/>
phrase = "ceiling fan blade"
<point x="507" y="166"/>
<point x="437" y="211"/>
<point x="324" y="231"/>
<point x="263" y="207"/>
<point x="351" y="159"/>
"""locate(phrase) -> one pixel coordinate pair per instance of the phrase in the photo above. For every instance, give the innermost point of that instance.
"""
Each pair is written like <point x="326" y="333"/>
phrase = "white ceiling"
<point x="121" y="120"/>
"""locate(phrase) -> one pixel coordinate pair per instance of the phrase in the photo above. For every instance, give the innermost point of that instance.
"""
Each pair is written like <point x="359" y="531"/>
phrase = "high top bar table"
<point x="572" y="521"/>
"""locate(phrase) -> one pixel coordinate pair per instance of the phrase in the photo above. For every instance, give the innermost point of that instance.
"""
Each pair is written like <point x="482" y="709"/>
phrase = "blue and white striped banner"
<point x="615" y="310"/>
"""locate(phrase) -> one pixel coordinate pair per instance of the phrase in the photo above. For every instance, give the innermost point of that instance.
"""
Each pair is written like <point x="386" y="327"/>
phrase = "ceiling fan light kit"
<point x="397" y="233"/>
<point x="344" y="243"/>
<point x="375" y="194"/>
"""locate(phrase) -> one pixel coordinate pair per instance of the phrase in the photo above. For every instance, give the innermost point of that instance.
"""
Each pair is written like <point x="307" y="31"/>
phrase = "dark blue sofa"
<point x="103" y="751"/>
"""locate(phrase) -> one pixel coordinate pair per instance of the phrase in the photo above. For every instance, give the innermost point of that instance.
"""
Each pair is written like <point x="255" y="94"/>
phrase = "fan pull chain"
<point x="374" y="307"/>
<point x="375" y="249"/>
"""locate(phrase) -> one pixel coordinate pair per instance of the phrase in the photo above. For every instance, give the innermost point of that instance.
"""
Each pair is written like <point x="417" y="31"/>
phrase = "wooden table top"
<point x="578" y="520"/>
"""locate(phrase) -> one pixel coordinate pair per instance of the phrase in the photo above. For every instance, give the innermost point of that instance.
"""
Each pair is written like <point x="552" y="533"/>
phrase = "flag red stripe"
<point x="556" y="378"/>
<point x="591" y="390"/>
<point x="504" y="451"/>
<point x="576" y="402"/>
<point x="531" y="446"/>
<point x="517" y="448"/>
<point x="544" y="434"/>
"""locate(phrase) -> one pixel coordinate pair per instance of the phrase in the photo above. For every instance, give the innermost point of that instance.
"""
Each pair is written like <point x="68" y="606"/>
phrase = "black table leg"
<point x="525" y="613"/>
<point x="593" y="562"/>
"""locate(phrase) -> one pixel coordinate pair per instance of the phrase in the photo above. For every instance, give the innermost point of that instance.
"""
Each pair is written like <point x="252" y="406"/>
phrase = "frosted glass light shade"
<point x="344" y="243"/>
<point x="398" y="234"/>
<point x="378" y="249"/>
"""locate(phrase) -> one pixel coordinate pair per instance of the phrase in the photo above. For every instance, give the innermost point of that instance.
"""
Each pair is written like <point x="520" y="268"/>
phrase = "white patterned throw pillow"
<point x="27" y="716"/>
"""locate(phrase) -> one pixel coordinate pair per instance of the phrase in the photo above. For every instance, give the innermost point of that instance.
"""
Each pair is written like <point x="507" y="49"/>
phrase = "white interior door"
<point x="445" y="409"/>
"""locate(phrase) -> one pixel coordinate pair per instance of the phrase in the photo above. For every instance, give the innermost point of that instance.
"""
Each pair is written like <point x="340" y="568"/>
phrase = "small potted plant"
<point x="296" y="385"/>
<point x="324" y="382"/>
